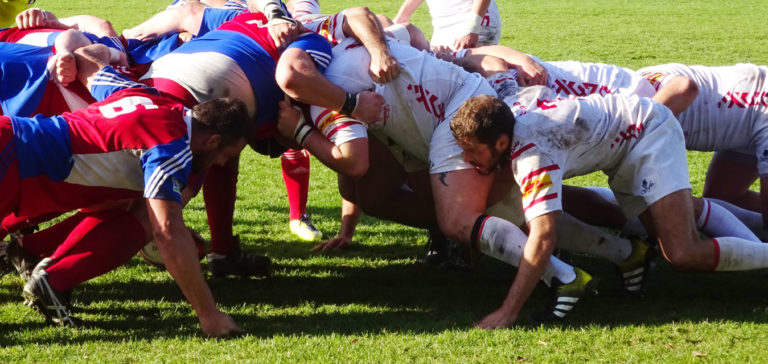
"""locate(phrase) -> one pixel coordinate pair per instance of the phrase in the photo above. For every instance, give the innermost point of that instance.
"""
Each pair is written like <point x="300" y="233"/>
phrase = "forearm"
<point x="406" y="10"/>
<point x="180" y="258"/>
<point x="480" y="7"/>
<point x="91" y="24"/>
<point x="361" y="24"/>
<point x="350" y="158"/>
<point x="185" y="18"/>
<point x="90" y="59"/>
<point x="299" y="78"/>
<point x="350" y="216"/>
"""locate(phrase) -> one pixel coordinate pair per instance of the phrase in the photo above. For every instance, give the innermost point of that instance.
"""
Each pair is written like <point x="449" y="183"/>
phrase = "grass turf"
<point x="374" y="302"/>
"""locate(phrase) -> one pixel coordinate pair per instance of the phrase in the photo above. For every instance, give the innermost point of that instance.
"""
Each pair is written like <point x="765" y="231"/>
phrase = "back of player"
<point x="731" y="98"/>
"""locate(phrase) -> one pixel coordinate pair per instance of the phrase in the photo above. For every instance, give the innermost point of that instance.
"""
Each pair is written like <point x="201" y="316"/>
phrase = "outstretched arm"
<point x="185" y="18"/>
<point x="350" y="216"/>
<point x="362" y="24"/>
<point x="406" y="10"/>
<point x="529" y="72"/>
<point x="299" y="78"/>
<point x="536" y="254"/>
<point x="473" y="24"/>
<point x="180" y="258"/>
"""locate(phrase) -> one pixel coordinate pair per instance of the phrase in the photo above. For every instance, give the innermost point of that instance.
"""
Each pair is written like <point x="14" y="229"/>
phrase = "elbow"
<point x="288" y="73"/>
<point x="358" y="11"/>
<point x="689" y="89"/>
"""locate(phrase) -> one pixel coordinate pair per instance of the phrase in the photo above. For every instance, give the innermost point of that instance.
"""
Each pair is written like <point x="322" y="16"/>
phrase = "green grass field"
<point x="375" y="302"/>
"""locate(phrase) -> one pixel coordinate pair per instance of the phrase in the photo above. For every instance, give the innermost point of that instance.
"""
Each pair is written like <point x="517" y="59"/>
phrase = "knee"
<point x="682" y="259"/>
<point x="456" y="226"/>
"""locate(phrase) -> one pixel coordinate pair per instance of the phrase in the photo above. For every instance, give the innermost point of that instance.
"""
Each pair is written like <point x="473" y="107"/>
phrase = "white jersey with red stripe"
<point x="424" y="95"/>
<point x="563" y="138"/>
<point x="304" y="8"/>
<point x="730" y="111"/>
<point x="449" y="17"/>
<point x="578" y="79"/>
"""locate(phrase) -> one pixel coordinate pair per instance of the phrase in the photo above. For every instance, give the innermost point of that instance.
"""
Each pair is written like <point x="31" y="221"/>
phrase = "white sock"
<point x="502" y="240"/>
<point x="715" y="220"/>
<point x="575" y="235"/>
<point x="739" y="254"/>
<point x="753" y="219"/>
<point x="633" y="226"/>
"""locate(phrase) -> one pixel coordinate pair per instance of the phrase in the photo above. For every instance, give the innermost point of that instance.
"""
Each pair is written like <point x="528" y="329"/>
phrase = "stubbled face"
<point x="204" y="159"/>
<point x="479" y="155"/>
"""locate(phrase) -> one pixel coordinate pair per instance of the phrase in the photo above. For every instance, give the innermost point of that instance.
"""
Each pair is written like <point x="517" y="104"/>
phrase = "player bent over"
<point x="132" y="144"/>
<point x="635" y="141"/>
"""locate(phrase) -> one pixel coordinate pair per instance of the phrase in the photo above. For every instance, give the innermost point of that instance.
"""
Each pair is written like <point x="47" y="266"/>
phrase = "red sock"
<point x="295" y="166"/>
<point x="220" y="193"/>
<point x="44" y="242"/>
<point x="103" y="241"/>
<point x="13" y="223"/>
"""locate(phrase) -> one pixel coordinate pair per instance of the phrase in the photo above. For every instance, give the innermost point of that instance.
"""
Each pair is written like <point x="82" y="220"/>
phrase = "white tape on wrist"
<point x="473" y="24"/>
<point x="303" y="129"/>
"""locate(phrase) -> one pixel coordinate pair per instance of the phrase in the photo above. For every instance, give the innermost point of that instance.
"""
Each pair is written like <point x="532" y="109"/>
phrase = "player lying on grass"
<point x="635" y="141"/>
<point x="86" y="158"/>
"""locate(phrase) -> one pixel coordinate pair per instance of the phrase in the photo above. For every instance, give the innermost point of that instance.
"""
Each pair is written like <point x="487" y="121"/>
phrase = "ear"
<point x="502" y="143"/>
<point x="213" y="141"/>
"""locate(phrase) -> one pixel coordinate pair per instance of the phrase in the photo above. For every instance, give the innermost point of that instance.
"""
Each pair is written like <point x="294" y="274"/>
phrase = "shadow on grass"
<point x="324" y="299"/>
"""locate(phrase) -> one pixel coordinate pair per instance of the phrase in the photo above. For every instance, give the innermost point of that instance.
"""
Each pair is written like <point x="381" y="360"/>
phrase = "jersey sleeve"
<point x="337" y="127"/>
<point x="317" y="47"/>
<point x="540" y="180"/>
<point x="329" y="27"/>
<point x="108" y="81"/>
<point x="166" y="170"/>
<point x="213" y="18"/>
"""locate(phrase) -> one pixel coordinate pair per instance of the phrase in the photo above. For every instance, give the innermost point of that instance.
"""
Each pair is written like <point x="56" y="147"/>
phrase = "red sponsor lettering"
<point x="632" y="132"/>
<point x="429" y="100"/>
<point x="579" y="89"/>
<point x="743" y="99"/>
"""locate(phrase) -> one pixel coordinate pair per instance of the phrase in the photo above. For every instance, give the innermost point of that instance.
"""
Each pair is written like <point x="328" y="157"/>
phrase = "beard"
<point x="200" y="161"/>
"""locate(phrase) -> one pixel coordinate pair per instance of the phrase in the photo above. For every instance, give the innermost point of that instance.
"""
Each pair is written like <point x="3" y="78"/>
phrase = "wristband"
<point x="472" y="25"/>
<point x="350" y="103"/>
<point x="303" y="129"/>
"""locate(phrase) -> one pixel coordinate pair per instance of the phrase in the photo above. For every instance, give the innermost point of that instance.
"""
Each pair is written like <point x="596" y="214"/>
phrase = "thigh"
<point x="729" y="178"/>
<point x="460" y="197"/>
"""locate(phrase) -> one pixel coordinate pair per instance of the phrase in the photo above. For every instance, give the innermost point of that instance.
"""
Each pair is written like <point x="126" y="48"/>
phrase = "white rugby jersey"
<point x="307" y="12"/>
<point x="448" y="16"/>
<point x="564" y="138"/>
<point x="419" y="99"/>
<point x="578" y="79"/>
<point x="730" y="111"/>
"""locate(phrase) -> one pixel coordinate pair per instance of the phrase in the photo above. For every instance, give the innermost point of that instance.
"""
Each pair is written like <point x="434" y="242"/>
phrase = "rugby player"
<point x="84" y="158"/>
<point x="635" y="141"/>
<point x="458" y="24"/>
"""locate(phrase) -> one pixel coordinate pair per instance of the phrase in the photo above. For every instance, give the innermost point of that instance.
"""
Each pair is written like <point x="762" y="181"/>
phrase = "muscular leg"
<point x="220" y="193"/>
<point x="672" y="220"/>
<point x="729" y="178"/>
<point x="379" y="192"/>
<point x="590" y="207"/>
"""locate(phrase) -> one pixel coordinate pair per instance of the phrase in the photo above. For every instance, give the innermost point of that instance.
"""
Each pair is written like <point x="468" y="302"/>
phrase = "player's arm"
<point x="91" y="24"/>
<point x="536" y="254"/>
<point x="472" y="25"/>
<point x="350" y="216"/>
<point x="180" y="258"/>
<point x="362" y="24"/>
<point x="298" y="76"/>
<point x="185" y="18"/>
<point x="677" y="93"/>
<point x="349" y="158"/>
<point x="406" y="10"/>
<point x="529" y="71"/>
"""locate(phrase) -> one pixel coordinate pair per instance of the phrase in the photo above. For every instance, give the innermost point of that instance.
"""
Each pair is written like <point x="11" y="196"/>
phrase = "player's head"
<point x="219" y="129"/>
<point x="483" y="127"/>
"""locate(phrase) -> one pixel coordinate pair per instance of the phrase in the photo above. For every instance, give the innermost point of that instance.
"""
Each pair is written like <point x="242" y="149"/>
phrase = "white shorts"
<point x="444" y="154"/>
<point x="655" y="167"/>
